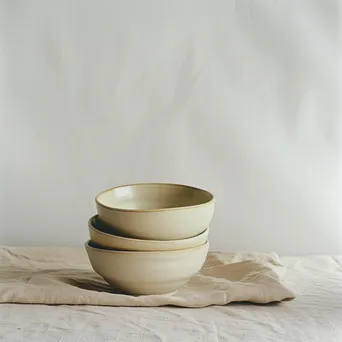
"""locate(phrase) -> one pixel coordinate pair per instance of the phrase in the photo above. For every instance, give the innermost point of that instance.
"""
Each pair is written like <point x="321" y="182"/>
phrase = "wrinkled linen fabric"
<point x="315" y="315"/>
<point x="65" y="276"/>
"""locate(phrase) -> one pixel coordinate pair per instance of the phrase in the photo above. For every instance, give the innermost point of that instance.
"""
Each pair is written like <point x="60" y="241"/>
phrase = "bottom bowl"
<point x="146" y="273"/>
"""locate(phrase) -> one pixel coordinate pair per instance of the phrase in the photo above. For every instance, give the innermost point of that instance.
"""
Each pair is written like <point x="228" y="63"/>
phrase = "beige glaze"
<point x="147" y="273"/>
<point x="156" y="211"/>
<point x="100" y="235"/>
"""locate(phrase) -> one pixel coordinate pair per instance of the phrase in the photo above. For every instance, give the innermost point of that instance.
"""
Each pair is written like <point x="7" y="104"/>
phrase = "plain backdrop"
<point x="238" y="97"/>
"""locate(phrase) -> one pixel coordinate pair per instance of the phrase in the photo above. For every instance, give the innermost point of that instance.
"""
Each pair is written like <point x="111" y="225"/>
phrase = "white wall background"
<point x="239" y="97"/>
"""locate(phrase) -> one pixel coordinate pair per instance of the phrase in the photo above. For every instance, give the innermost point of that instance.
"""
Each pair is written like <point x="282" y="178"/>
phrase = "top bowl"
<point x="156" y="211"/>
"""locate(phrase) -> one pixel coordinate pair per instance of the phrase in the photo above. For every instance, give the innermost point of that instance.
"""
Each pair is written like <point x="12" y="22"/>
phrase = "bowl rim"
<point x="100" y="249"/>
<point x="212" y="198"/>
<point x="126" y="238"/>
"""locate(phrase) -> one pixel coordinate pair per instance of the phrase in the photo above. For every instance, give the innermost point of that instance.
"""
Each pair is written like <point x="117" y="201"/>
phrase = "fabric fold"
<point x="64" y="276"/>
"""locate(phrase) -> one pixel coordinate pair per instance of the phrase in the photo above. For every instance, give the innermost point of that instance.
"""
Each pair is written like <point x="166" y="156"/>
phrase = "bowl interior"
<point x="153" y="196"/>
<point x="92" y="245"/>
<point x="97" y="224"/>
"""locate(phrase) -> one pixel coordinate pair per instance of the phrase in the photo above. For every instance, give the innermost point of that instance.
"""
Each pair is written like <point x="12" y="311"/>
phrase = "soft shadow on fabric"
<point x="96" y="285"/>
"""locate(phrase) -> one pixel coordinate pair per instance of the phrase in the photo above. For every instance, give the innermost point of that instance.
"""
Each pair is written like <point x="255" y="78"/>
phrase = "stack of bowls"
<point x="150" y="238"/>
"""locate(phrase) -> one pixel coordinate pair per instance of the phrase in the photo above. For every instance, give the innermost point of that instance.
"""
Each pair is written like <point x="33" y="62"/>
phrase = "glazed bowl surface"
<point x="156" y="211"/>
<point x="102" y="236"/>
<point x="146" y="273"/>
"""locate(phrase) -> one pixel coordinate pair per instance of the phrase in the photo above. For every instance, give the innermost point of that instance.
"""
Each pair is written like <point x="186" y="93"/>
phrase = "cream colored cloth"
<point x="64" y="276"/>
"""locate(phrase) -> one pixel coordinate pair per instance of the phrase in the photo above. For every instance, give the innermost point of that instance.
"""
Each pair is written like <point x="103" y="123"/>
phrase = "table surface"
<point x="315" y="315"/>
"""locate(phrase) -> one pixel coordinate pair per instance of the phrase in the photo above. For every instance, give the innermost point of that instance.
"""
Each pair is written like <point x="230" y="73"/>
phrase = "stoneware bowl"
<point x="146" y="273"/>
<point x="156" y="211"/>
<point x="102" y="236"/>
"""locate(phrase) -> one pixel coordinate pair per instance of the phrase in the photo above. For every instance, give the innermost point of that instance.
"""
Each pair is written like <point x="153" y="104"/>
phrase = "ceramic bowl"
<point x="102" y="236"/>
<point x="146" y="273"/>
<point x="156" y="211"/>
